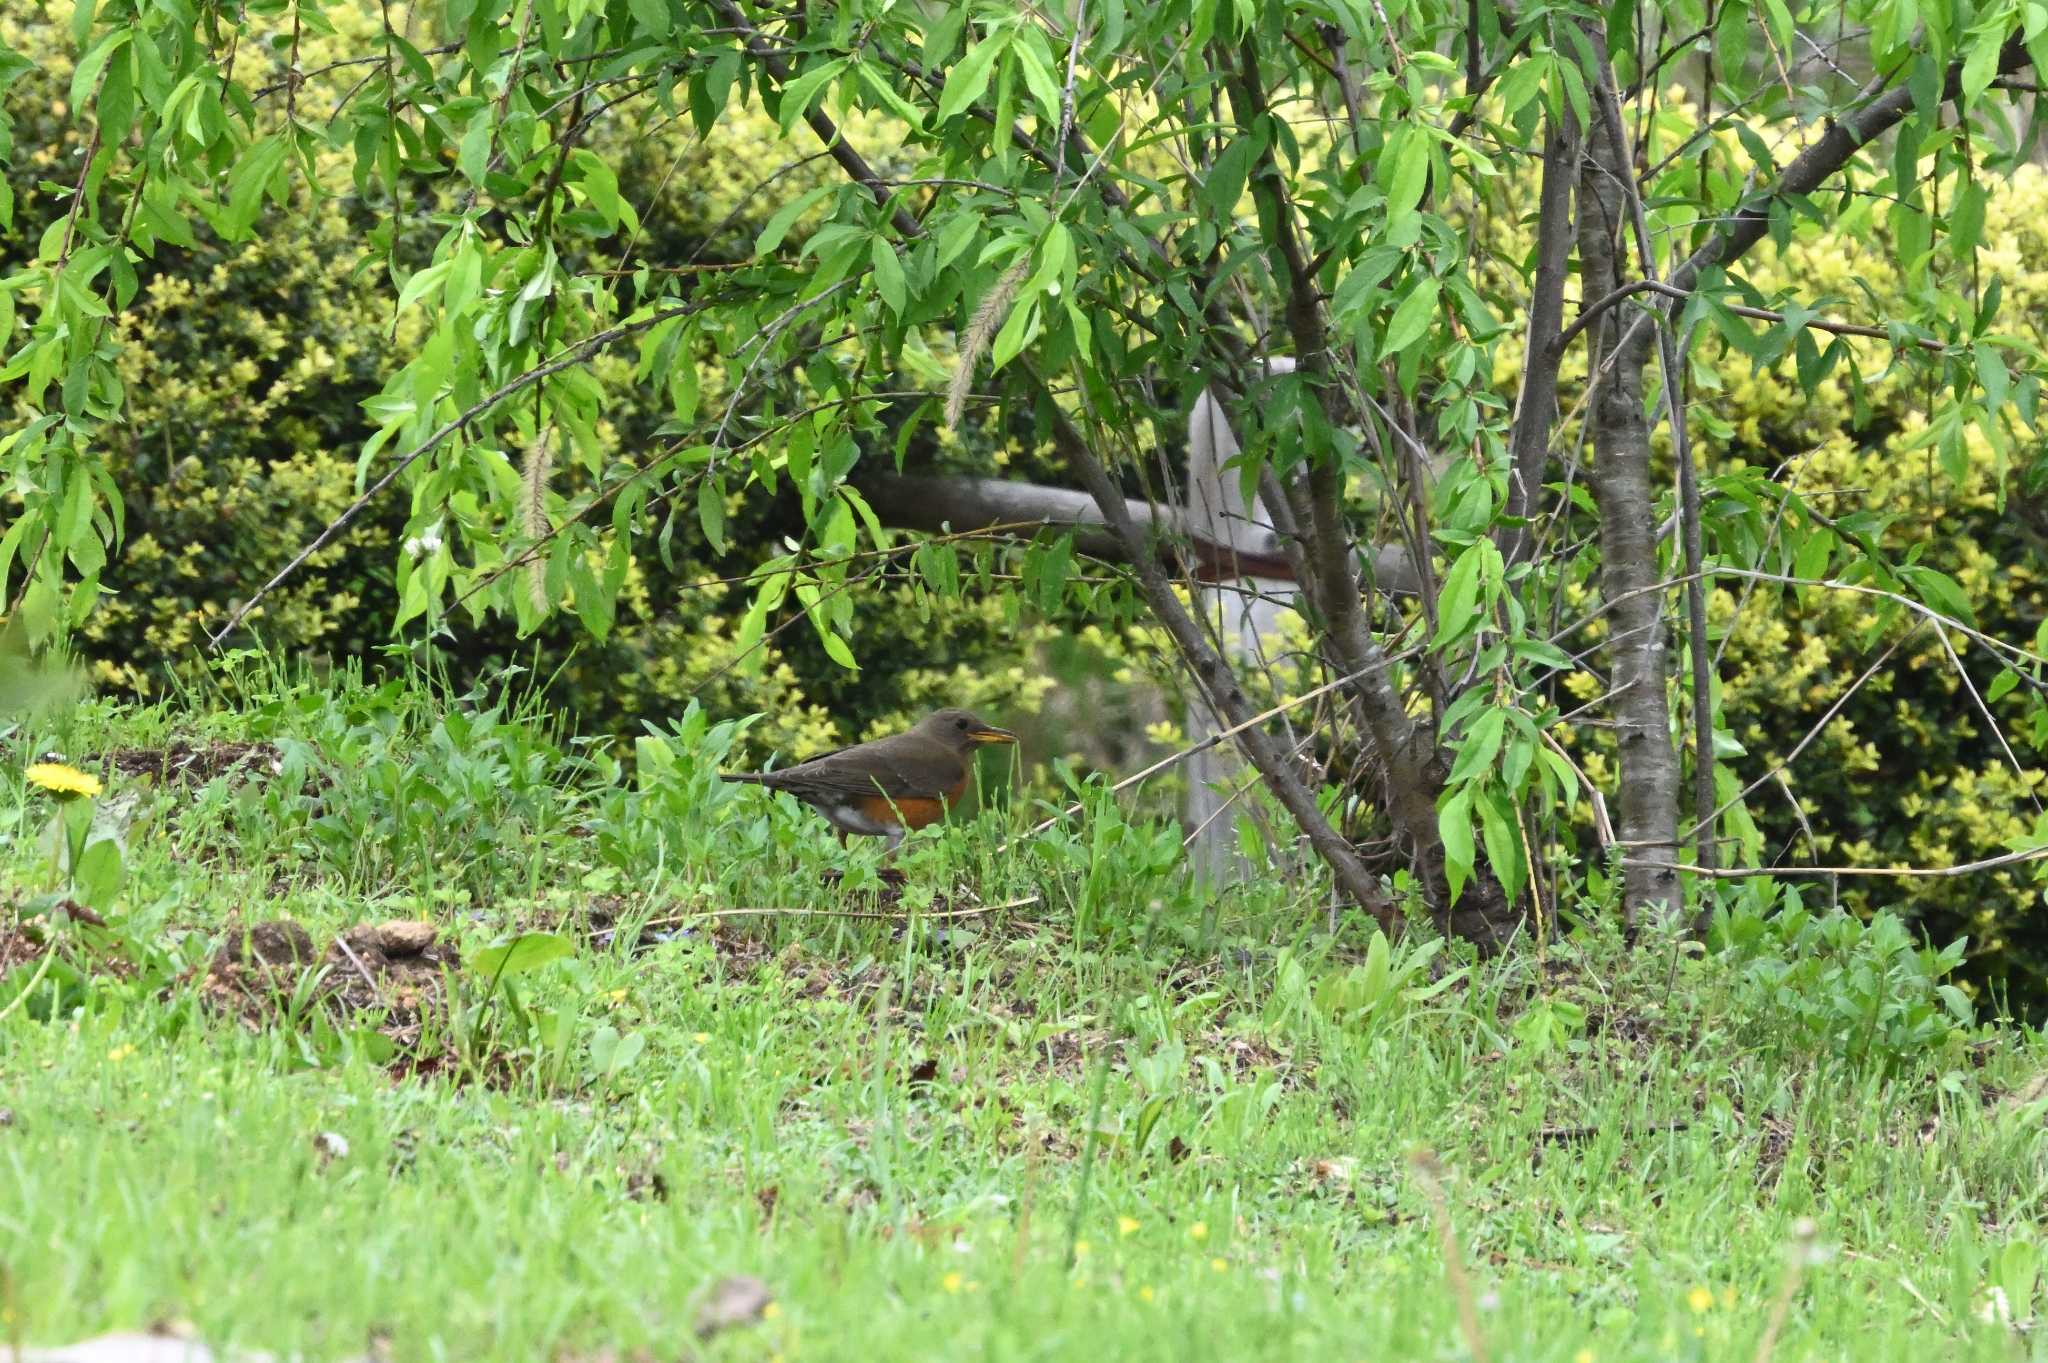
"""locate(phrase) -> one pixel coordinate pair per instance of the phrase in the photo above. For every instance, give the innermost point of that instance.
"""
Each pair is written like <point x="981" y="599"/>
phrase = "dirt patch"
<point x="186" y="763"/>
<point x="392" y="976"/>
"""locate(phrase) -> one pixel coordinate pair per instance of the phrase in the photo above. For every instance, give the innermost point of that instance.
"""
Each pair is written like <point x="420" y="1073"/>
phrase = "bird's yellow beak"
<point x="992" y="735"/>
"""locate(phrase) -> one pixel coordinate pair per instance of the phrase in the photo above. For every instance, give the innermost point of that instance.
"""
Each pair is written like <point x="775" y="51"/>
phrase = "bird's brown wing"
<point x="901" y="767"/>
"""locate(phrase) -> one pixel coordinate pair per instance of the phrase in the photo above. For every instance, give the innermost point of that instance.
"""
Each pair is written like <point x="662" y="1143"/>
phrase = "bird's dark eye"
<point x="960" y="724"/>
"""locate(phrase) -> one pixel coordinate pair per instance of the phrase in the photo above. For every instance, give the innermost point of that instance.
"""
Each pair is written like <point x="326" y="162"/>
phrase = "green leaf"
<point x="1412" y="318"/>
<point x="2004" y="682"/>
<point x="1409" y="173"/>
<point x="518" y="955"/>
<point x="836" y="649"/>
<point x="1454" y="826"/>
<point x="798" y="95"/>
<point x="1480" y="745"/>
<point x="1503" y="844"/>
<point x="89" y="67"/>
<point x="473" y="157"/>
<point x="889" y="275"/>
<point x="1940" y="591"/>
<point x="252" y="178"/>
<point x="785" y="218"/>
<point x="99" y="873"/>
<point x="969" y="80"/>
<point x="1981" y="65"/>
<point x="711" y="512"/>
<point x="1225" y="183"/>
<point x="1017" y="333"/>
<point x="654" y="17"/>
<point x="422" y="282"/>
<point x="1457" y="609"/>
<point x="1038" y="77"/>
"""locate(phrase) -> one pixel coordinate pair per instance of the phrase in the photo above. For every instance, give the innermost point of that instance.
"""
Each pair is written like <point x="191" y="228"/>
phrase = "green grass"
<point x="1129" y="1120"/>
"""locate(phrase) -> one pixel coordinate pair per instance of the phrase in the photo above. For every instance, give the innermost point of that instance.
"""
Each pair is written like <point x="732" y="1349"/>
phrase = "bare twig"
<point x="1967" y="868"/>
<point x="712" y="915"/>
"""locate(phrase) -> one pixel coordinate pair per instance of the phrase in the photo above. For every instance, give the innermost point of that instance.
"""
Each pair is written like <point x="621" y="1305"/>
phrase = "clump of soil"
<point x="392" y="975"/>
<point x="184" y="762"/>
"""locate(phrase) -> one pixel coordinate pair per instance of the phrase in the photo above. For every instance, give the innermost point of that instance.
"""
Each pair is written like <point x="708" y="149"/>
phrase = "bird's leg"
<point x="889" y="873"/>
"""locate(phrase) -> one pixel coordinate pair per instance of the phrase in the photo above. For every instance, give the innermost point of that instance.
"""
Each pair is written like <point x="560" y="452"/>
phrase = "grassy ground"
<point x="1122" y="1119"/>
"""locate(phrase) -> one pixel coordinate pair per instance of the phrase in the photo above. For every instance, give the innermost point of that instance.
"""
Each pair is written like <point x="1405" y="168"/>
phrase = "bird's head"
<point x="961" y="731"/>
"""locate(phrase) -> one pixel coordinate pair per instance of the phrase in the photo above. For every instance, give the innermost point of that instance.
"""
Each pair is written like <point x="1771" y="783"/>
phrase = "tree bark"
<point x="941" y="502"/>
<point x="1647" y="804"/>
<point x="1536" y="404"/>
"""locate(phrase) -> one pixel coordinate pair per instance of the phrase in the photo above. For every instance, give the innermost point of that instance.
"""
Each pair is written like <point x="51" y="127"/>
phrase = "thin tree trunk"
<point x="1213" y="673"/>
<point x="1407" y="745"/>
<point x="1536" y="404"/>
<point x="1647" y="806"/>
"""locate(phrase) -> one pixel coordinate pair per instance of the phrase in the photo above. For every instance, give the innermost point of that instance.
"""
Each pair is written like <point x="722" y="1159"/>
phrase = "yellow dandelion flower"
<point x="66" y="783"/>
<point x="952" y="1282"/>
<point x="1583" y="1356"/>
<point x="120" y="1053"/>
<point x="1700" y="1299"/>
<point x="1220" y="1264"/>
<point x="1145" y="1293"/>
<point x="1127" y="1225"/>
<point x="1080" y="1249"/>
<point x="700" y="1037"/>
<point x="771" y="1310"/>
<point x="1199" y="1231"/>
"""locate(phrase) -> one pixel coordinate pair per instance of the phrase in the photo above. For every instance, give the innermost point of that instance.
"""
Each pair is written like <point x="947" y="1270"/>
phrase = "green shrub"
<point x="1836" y="985"/>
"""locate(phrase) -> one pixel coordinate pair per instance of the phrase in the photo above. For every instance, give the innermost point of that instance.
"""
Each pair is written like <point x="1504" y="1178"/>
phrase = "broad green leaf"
<point x="423" y="282"/>
<point x="93" y="63"/>
<point x="252" y="179"/>
<point x="1454" y="826"/>
<point x="1939" y="590"/>
<point x="1503" y="844"/>
<point x="889" y="280"/>
<point x="1479" y="746"/>
<point x="1413" y="317"/>
<point x="799" y="94"/>
<point x="1408" y="157"/>
<point x="785" y="218"/>
<point x="711" y="512"/>
<point x="1457" y="609"/>
<point x="518" y="955"/>
<point x="1017" y="333"/>
<point x="968" y="81"/>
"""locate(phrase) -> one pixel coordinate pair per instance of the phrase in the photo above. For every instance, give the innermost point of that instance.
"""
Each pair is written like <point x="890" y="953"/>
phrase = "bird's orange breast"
<point x="911" y="811"/>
